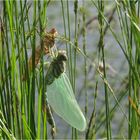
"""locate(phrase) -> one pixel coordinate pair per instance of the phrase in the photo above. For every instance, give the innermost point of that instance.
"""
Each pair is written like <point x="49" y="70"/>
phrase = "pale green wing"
<point x="61" y="98"/>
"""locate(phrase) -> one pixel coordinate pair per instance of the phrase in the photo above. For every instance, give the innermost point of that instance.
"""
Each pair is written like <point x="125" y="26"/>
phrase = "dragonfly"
<point x="60" y="95"/>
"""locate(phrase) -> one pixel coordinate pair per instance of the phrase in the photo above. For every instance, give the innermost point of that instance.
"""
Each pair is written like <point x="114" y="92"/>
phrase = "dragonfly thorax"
<point x="57" y="67"/>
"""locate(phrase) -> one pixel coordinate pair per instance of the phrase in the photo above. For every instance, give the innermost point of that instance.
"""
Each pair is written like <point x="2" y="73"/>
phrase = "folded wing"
<point x="61" y="98"/>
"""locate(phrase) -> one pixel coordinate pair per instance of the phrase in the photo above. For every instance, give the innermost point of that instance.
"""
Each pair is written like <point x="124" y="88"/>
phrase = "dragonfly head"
<point x="62" y="56"/>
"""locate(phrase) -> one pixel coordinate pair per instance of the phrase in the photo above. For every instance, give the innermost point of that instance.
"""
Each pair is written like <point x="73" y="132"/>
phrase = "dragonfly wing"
<point x="61" y="98"/>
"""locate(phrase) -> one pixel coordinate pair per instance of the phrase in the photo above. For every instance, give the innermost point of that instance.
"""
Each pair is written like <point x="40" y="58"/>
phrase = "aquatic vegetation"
<point x="92" y="86"/>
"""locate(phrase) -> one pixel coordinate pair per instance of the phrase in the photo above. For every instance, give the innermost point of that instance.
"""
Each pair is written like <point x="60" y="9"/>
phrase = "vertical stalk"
<point x="41" y="80"/>
<point x="32" y="94"/>
<point x="65" y="34"/>
<point x="70" y="47"/>
<point x="9" y="7"/>
<point x="6" y="69"/>
<point x="85" y="61"/>
<point x="19" y="75"/>
<point x="101" y="44"/>
<point x="76" y="45"/>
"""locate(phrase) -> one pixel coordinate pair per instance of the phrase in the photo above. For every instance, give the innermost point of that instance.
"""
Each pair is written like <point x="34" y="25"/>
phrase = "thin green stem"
<point x="101" y="45"/>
